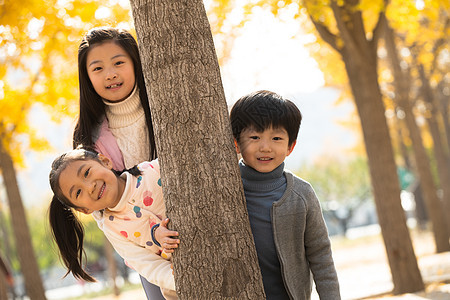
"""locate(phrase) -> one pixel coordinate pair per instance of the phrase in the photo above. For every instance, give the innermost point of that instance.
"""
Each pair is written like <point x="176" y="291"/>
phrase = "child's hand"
<point x="165" y="236"/>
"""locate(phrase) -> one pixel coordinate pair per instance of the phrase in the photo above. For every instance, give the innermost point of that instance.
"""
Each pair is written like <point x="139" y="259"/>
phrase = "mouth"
<point x="102" y="189"/>
<point x="264" y="158"/>
<point x="115" y="85"/>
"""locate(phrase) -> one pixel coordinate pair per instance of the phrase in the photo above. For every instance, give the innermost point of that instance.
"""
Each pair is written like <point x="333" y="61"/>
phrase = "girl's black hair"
<point x="66" y="228"/>
<point x="264" y="109"/>
<point x="92" y="108"/>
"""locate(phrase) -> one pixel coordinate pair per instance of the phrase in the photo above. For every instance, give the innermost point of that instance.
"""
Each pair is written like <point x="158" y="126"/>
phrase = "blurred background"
<point x="297" y="49"/>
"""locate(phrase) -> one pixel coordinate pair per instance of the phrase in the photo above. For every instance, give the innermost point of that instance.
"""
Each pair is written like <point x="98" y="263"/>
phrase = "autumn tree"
<point x="421" y="30"/>
<point x="358" y="48"/>
<point x="200" y="176"/>
<point x="38" y="67"/>
<point x="401" y="79"/>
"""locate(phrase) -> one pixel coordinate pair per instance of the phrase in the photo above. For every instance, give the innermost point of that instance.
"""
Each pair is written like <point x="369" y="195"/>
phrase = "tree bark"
<point x="444" y="101"/>
<point x="359" y="56"/>
<point x="415" y="188"/>
<point x="112" y="266"/>
<point x="432" y="202"/>
<point x="442" y="159"/>
<point x="200" y="176"/>
<point x="3" y="286"/>
<point x="27" y="258"/>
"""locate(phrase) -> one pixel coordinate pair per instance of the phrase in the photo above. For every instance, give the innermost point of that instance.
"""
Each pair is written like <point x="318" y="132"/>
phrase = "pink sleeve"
<point x="106" y="144"/>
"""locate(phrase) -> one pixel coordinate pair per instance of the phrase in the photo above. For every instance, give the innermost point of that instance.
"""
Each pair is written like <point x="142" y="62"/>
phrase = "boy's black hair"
<point x="264" y="109"/>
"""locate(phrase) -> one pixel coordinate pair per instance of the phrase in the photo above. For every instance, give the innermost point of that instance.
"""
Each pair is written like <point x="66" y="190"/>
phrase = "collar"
<point x="251" y="174"/>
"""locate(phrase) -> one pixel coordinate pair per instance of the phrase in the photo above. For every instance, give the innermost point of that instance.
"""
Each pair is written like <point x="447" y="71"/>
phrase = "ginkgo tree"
<point x="38" y="53"/>
<point x="407" y="73"/>
<point x="351" y="29"/>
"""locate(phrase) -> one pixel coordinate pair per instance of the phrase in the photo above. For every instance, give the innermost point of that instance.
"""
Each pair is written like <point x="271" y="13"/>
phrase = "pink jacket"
<point x="106" y="144"/>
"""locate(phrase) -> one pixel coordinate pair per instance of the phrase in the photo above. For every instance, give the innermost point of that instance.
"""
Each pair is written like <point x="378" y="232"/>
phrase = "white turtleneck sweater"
<point x="126" y="121"/>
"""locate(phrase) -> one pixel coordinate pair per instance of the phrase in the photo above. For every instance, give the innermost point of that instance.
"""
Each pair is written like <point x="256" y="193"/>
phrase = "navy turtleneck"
<point x="261" y="191"/>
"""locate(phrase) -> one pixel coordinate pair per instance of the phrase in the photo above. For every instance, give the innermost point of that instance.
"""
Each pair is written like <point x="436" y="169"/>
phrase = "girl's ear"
<point x="291" y="147"/>
<point x="237" y="146"/>
<point x="105" y="161"/>
<point x="84" y="210"/>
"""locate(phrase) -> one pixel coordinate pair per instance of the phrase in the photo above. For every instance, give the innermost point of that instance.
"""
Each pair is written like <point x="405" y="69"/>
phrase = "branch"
<point x="378" y="31"/>
<point x="326" y="35"/>
<point x="345" y="33"/>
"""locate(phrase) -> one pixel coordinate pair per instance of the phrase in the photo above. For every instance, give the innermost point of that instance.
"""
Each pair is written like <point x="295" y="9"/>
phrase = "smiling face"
<point x="111" y="71"/>
<point x="264" y="151"/>
<point x="91" y="185"/>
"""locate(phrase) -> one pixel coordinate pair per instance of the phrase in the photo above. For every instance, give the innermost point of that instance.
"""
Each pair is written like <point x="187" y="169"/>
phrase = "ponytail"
<point x="68" y="233"/>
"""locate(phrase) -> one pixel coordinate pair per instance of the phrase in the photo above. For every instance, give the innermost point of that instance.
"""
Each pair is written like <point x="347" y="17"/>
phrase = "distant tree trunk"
<point x="200" y="175"/>
<point x="442" y="158"/>
<point x="3" y="286"/>
<point x="360" y="59"/>
<point x="27" y="258"/>
<point x="112" y="266"/>
<point x="444" y="101"/>
<point x="5" y="245"/>
<point x="433" y="204"/>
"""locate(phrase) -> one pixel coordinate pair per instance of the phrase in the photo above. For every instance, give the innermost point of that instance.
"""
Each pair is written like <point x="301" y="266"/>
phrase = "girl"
<point x="125" y="207"/>
<point x="114" y="116"/>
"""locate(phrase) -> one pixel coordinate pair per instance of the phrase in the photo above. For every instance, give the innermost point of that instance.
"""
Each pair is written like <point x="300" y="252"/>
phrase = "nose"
<point x="264" y="146"/>
<point x="111" y="75"/>
<point x="91" y="187"/>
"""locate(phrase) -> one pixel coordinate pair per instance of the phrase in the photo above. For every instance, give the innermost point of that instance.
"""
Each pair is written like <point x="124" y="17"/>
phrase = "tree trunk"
<point x="27" y="258"/>
<point x="112" y="265"/>
<point x="415" y="188"/>
<point x="360" y="59"/>
<point x="5" y="245"/>
<point x="442" y="159"/>
<point x="434" y="206"/>
<point x="200" y="176"/>
<point x="444" y="101"/>
<point x="405" y="272"/>
<point x="3" y="286"/>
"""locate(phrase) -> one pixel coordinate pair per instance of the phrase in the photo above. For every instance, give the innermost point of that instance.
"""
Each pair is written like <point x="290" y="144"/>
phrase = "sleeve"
<point x="318" y="250"/>
<point x="147" y="263"/>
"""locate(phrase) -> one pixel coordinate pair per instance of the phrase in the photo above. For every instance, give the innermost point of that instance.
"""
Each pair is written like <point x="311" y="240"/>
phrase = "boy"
<point x="290" y="234"/>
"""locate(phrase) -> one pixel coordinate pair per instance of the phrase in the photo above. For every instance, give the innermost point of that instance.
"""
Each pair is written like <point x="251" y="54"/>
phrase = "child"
<point x="290" y="234"/>
<point x="114" y="116"/>
<point x="114" y="110"/>
<point x="125" y="208"/>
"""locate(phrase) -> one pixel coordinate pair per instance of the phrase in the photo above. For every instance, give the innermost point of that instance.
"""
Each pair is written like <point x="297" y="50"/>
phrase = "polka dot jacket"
<point x="128" y="225"/>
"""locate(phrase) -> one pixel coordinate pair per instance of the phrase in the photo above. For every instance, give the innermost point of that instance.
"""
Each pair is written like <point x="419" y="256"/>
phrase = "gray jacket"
<point x="302" y="242"/>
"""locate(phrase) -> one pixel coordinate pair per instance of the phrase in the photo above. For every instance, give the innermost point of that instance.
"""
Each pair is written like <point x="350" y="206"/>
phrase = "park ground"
<point x="364" y="273"/>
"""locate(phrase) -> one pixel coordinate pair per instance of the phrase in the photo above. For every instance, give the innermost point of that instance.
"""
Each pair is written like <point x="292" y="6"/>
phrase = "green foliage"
<point x="338" y="182"/>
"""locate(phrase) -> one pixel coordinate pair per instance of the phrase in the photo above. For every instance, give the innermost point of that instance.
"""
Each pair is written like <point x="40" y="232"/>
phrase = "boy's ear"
<point x="105" y="161"/>
<point x="291" y="147"/>
<point x="237" y="146"/>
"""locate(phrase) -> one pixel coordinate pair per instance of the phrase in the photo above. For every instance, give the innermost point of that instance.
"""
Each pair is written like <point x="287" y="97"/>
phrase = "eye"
<point x="254" y="137"/>
<point x="119" y="63"/>
<point x="77" y="193"/>
<point x="277" y="138"/>
<point x="86" y="173"/>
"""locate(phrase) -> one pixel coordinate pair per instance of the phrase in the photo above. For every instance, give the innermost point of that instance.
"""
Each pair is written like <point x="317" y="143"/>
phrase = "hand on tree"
<point x="165" y="237"/>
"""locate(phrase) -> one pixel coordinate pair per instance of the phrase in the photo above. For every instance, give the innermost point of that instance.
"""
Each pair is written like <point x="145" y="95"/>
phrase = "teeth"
<point x="114" y="86"/>
<point x="264" y="158"/>
<point x="101" y="191"/>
